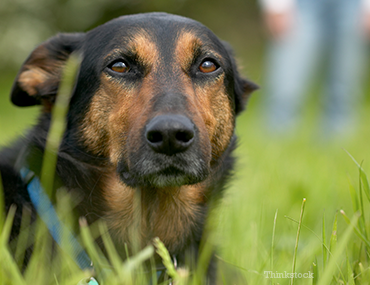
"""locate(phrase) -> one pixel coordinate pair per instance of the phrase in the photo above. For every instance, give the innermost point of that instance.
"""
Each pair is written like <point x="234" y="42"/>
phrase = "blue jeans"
<point x="326" y="30"/>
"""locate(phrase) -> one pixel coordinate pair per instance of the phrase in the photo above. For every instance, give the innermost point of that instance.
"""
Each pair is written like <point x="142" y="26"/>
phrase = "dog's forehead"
<point x="159" y="29"/>
<point x="158" y="23"/>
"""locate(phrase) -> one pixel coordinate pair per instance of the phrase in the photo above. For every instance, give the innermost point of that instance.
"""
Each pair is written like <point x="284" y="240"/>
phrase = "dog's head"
<point x="156" y="96"/>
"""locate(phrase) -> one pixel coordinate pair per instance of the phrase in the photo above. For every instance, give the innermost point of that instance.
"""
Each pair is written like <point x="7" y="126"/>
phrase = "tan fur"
<point x="30" y="79"/>
<point x="120" y="202"/>
<point x="145" y="48"/>
<point x="169" y="214"/>
<point x="221" y="125"/>
<point x="94" y="126"/>
<point x="187" y="43"/>
<point x="39" y="70"/>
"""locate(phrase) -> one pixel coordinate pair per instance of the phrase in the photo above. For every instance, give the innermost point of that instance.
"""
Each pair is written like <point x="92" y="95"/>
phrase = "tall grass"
<point x="261" y="226"/>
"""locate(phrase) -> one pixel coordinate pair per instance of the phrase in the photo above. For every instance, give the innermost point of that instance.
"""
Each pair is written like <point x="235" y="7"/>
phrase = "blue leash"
<point x="57" y="229"/>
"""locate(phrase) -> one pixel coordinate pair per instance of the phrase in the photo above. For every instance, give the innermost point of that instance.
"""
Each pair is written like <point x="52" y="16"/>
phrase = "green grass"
<point x="274" y="175"/>
<point x="263" y="223"/>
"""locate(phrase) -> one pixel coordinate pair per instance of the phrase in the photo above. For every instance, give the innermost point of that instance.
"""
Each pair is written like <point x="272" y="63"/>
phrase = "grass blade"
<point x="354" y="197"/>
<point x="137" y="260"/>
<point x="364" y="273"/>
<point x="333" y="261"/>
<point x="356" y="230"/>
<point x="357" y="204"/>
<point x="315" y="272"/>
<point x="334" y="237"/>
<point x="2" y="205"/>
<point x="361" y="220"/>
<point x="23" y="237"/>
<point x="273" y="243"/>
<point x="58" y="123"/>
<point x="114" y="258"/>
<point x="5" y="231"/>
<point x="97" y="257"/>
<point x="166" y="258"/>
<point x="324" y="246"/>
<point x="363" y="176"/>
<point x="297" y="240"/>
<point x="6" y="260"/>
<point x="350" y="281"/>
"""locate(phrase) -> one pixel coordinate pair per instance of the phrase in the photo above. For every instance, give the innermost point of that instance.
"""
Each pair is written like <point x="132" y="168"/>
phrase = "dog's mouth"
<point x="162" y="171"/>
<point x="172" y="176"/>
<point x="171" y="171"/>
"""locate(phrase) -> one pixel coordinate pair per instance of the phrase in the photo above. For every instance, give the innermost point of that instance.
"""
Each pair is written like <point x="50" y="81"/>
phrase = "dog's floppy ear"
<point x="242" y="87"/>
<point x="38" y="80"/>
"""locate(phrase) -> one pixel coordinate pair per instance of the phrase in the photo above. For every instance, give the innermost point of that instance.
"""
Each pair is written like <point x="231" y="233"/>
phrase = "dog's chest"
<point x="176" y="216"/>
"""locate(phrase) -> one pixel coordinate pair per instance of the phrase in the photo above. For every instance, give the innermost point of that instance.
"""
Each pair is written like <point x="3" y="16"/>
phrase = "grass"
<point x="275" y="174"/>
<point x="297" y="204"/>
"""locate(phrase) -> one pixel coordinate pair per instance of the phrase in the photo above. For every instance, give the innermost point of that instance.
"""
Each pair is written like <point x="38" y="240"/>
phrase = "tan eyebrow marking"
<point x="140" y="45"/>
<point x="144" y="47"/>
<point x="187" y="45"/>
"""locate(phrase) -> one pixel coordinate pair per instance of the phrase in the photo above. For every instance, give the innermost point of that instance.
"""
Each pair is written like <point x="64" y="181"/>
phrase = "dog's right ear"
<point x="38" y="80"/>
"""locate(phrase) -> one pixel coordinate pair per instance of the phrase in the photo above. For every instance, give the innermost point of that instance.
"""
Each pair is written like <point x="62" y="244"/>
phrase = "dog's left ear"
<point x="38" y="79"/>
<point x="242" y="87"/>
<point x="242" y="90"/>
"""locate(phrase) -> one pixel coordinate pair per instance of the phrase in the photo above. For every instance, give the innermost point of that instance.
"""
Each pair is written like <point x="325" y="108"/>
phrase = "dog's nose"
<point x="170" y="134"/>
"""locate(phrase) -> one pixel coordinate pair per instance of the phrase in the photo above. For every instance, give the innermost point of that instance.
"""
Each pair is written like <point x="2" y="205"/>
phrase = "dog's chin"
<point x="169" y="177"/>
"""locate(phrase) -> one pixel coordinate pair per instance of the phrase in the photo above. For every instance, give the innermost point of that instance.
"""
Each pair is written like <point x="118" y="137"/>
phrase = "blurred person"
<point x="302" y="30"/>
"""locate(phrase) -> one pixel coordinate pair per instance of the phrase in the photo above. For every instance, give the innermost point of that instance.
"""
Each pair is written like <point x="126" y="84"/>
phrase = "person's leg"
<point x="346" y="67"/>
<point x="290" y="63"/>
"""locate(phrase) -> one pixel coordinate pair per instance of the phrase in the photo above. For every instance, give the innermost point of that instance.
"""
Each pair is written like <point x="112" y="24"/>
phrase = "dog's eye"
<point x="208" y="66"/>
<point x="119" y="66"/>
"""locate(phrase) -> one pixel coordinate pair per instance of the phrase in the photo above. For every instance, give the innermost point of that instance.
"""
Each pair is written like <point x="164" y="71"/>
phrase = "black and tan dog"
<point x="153" y="111"/>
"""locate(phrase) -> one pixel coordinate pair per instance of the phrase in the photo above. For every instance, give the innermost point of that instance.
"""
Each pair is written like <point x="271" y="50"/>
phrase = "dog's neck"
<point x="171" y="214"/>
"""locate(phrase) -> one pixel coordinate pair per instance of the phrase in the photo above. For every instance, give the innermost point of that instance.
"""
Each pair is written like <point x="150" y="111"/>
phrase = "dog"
<point x="152" y="115"/>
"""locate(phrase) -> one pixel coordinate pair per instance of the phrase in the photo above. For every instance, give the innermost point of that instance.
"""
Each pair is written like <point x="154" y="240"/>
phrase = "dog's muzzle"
<point x="171" y="154"/>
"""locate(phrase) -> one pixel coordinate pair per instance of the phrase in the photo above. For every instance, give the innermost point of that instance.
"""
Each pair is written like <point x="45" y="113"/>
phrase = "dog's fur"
<point x="162" y="127"/>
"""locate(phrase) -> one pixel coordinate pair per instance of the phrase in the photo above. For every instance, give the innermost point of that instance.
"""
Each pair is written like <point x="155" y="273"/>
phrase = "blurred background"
<point x="291" y="138"/>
